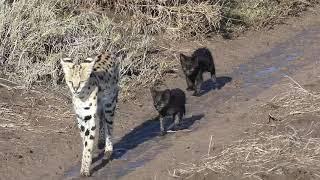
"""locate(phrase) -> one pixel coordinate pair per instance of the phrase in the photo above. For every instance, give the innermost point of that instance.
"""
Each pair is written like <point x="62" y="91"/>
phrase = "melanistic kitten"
<point x="194" y="66"/>
<point x="169" y="103"/>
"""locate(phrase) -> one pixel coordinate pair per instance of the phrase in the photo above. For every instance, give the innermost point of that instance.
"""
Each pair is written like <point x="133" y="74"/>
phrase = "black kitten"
<point x="193" y="67"/>
<point x="169" y="103"/>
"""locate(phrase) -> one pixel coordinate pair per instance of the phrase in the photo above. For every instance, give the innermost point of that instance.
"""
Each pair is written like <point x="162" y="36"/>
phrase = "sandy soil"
<point x="39" y="139"/>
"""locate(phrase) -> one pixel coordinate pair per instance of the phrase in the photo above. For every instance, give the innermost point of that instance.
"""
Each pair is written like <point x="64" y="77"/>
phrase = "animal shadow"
<point x="140" y="134"/>
<point x="209" y="85"/>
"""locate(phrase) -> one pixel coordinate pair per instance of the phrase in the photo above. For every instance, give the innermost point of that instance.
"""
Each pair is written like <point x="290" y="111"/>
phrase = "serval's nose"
<point x="76" y="88"/>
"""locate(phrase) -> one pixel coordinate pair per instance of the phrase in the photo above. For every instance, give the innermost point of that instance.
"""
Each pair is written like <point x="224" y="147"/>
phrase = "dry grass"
<point x="35" y="34"/>
<point x="175" y="19"/>
<point x="295" y="102"/>
<point x="261" y="13"/>
<point x="280" y="148"/>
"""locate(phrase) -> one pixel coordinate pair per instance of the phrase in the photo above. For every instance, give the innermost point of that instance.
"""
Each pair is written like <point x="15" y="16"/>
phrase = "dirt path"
<point x="223" y="114"/>
<point x="38" y="139"/>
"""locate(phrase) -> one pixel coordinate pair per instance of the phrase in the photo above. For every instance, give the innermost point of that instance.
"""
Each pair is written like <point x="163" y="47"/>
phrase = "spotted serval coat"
<point x="94" y="87"/>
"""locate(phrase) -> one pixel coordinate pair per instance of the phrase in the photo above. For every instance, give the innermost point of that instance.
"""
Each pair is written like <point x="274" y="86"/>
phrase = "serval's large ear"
<point x="66" y="64"/>
<point x="90" y="60"/>
<point x="88" y="64"/>
<point x="66" y="60"/>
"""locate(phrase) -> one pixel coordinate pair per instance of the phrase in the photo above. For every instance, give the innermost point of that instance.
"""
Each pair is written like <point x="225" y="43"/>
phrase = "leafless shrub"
<point x="175" y="19"/>
<point x="262" y="13"/>
<point x="35" y="34"/>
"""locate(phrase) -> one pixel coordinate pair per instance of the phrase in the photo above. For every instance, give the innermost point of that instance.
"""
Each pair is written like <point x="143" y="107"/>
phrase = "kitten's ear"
<point x="152" y="91"/>
<point x="166" y="96"/>
<point x="183" y="57"/>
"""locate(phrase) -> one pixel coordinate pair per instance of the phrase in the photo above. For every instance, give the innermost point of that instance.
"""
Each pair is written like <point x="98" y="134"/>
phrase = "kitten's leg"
<point x="190" y="84"/>
<point x="181" y="113"/>
<point x="162" y="131"/>
<point x="198" y="83"/>
<point x="88" y="143"/>
<point x="177" y="120"/>
<point x="213" y="74"/>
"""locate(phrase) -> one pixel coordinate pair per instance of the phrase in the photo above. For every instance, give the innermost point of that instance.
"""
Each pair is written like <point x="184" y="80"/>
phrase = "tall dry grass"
<point x="175" y="19"/>
<point x="35" y="34"/>
<point x="261" y="13"/>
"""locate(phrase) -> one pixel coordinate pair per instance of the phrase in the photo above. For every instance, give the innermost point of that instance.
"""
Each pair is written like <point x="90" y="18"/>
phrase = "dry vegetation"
<point x="287" y="146"/>
<point x="35" y="34"/>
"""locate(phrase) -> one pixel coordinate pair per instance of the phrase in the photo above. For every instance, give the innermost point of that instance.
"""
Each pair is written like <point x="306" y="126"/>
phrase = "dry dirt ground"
<point x="39" y="139"/>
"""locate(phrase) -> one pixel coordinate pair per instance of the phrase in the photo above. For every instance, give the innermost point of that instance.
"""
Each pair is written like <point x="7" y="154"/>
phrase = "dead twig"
<point x="210" y="145"/>
<point x="273" y="118"/>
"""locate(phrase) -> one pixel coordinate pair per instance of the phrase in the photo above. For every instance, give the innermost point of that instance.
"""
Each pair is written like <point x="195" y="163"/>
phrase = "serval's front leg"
<point x="109" y="105"/>
<point x="88" y="136"/>
<point x="102" y="136"/>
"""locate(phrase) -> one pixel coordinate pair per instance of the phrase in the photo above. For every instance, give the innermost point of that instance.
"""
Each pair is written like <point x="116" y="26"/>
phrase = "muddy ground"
<point x="39" y="139"/>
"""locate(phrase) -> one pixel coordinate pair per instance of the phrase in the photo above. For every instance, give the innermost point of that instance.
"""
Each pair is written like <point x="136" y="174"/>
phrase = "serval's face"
<point x="77" y="74"/>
